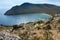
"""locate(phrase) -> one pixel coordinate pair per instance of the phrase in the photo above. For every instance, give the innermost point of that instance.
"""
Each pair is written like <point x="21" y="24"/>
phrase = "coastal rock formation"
<point x="33" y="8"/>
<point x="5" y="35"/>
<point x="38" y="30"/>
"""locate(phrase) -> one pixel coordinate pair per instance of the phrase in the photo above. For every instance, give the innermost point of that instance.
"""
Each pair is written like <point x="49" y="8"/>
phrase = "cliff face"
<point x="33" y="8"/>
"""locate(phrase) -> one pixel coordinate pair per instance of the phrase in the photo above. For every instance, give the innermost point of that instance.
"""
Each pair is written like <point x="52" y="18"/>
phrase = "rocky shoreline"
<point x="40" y="30"/>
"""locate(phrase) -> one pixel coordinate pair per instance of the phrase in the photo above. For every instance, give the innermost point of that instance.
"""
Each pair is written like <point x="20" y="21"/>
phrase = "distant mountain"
<point x="33" y="8"/>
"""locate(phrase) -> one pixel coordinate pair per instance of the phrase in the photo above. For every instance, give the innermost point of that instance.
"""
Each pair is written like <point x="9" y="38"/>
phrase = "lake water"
<point x="23" y="18"/>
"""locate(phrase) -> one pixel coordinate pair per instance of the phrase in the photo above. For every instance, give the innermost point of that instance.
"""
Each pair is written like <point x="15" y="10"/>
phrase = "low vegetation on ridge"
<point x="27" y="8"/>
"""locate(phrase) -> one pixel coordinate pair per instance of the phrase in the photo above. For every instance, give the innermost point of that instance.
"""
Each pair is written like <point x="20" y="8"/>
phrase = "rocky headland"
<point x="33" y="8"/>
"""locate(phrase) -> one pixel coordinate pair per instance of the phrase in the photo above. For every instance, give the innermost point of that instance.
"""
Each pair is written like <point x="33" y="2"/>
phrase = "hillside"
<point x="33" y="8"/>
<point x="38" y="30"/>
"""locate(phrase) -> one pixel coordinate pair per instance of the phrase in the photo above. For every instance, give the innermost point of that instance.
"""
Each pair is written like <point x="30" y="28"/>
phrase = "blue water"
<point x="23" y="18"/>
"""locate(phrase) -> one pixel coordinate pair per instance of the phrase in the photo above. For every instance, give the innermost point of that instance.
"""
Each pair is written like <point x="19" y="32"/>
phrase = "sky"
<point x="10" y="3"/>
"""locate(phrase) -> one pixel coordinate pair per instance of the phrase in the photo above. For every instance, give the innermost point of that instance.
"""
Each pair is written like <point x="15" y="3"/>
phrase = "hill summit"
<point x="33" y="8"/>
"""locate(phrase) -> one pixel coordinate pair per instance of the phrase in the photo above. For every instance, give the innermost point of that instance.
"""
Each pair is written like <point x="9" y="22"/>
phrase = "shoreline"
<point x="32" y="30"/>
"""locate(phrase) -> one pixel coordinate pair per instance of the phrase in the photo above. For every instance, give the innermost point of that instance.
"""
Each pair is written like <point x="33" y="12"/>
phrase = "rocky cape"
<point x="33" y="8"/>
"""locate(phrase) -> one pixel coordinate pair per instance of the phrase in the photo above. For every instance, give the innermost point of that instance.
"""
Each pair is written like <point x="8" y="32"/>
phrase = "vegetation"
<point x="39" y="30"/>
<point x="37" y="8"/>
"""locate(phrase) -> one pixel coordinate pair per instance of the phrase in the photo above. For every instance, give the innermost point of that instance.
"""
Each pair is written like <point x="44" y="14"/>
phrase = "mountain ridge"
<point x="33" y="8"/>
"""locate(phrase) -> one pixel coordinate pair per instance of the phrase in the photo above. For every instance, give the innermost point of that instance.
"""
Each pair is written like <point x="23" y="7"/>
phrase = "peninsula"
<point x="33" y="8"/>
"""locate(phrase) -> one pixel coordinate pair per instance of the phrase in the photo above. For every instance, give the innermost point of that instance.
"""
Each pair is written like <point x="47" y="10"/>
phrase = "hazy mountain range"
<point x="33" y="8"/>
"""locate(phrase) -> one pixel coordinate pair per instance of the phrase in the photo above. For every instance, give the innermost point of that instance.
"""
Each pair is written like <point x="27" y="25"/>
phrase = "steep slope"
<point x="33" y="8"/>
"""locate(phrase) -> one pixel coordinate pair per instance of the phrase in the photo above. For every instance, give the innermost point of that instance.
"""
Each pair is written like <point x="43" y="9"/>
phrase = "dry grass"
<point x="35" y="31"/>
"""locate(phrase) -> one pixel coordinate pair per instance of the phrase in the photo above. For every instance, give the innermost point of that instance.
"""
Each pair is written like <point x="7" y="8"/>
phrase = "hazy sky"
<point x="10" y="3"/>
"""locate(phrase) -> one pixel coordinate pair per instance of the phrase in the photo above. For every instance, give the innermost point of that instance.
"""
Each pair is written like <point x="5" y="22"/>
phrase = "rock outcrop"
<point x="38" y="30"/>
<point x="5" y="35"/>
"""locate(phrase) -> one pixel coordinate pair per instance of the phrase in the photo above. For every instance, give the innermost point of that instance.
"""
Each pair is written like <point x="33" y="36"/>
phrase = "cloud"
<point x="10" y="3"/>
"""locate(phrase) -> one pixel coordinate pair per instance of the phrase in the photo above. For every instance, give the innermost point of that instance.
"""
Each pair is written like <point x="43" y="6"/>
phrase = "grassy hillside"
<point x="33" y="8"/>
